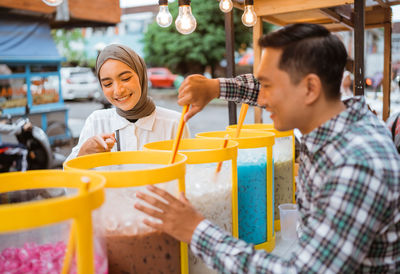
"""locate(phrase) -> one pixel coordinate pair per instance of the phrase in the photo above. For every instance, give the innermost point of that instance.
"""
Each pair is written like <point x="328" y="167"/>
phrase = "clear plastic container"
<point x="284" y="153"/>
<point x="133" y="247"/>
<point x="255" y="185"/>
<point x="213" y="194"/>
<point x="38" y="234"/>
<point x="289" y="217"/>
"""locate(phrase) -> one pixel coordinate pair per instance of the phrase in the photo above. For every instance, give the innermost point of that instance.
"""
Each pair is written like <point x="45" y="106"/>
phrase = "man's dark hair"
<point x="309" y="48"/>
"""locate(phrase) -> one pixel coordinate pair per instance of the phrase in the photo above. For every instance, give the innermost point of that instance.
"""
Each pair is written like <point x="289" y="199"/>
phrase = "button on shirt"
<point x="348" y="197"/>
<point x="161" y="125"/>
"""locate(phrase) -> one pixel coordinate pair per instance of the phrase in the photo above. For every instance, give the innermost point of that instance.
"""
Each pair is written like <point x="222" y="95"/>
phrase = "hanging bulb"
<point x="185" y="22"/>
<point x="249" y="17"/>
<point x="53" y="3"/>
<point x="225" y="5"/>
<point x="164" y="17"/>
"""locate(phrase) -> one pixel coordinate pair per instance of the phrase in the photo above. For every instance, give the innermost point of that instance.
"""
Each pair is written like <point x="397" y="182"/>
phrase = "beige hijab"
<point x="145" y="106"/>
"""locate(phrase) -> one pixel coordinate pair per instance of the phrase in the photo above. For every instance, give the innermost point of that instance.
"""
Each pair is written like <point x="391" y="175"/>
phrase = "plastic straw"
<point x="223" y="146"/>
<point x="242" y="115"/>
<point x="72" y="236"/>
<point x="178" y="136"/>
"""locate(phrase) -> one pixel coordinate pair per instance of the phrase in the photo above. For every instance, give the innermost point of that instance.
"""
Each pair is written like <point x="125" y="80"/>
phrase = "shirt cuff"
<point x="205" y="237"/>
<point x="223" y="86"/>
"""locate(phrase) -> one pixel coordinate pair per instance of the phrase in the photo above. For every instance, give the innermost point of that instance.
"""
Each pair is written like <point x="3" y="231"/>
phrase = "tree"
<point x="187" y="54"/>
<point x="69" y="43"/>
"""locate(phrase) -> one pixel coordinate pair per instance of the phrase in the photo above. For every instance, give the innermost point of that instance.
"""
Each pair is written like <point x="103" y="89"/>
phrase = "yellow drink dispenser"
<point x="213" y="194"/>
<point x="36" y="234"/>
<point x="284" y="156"/>
<point x="132" y="247"/>
<point x="255" y="185"/>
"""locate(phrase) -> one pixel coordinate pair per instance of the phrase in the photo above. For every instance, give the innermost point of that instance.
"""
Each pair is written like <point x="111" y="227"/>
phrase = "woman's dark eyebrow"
<point x="124" y="72"/>
<point x="119" y="75"/>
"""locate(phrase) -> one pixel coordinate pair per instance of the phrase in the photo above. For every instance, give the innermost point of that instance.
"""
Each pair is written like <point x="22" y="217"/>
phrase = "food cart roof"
<point x="335" y="15"/>
<point x="24" y="40"/>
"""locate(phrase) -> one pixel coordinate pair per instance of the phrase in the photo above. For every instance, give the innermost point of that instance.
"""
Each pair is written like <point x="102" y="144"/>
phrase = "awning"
<point x="23" y="40"/>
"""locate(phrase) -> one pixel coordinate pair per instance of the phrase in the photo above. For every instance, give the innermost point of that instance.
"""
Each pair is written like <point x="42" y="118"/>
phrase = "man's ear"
<point x="313" y="88"/>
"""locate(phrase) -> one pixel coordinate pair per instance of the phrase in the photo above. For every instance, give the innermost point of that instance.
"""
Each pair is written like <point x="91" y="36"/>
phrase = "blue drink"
<point x="252" y="196"/>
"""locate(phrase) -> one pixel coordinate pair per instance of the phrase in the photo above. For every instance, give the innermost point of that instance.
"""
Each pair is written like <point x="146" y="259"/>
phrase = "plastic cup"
<point x="289" y="214"/>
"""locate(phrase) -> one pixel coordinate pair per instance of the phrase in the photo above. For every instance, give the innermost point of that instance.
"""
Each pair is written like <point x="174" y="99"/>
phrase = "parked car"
<point x="161" y="78"/>
<point x="101" y="99"/>
<point x="78" y="83"/>
<point x="374" y="81"/>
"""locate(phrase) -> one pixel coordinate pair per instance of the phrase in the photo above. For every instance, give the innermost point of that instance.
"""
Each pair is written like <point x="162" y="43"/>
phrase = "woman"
<point x="135" y="120"/>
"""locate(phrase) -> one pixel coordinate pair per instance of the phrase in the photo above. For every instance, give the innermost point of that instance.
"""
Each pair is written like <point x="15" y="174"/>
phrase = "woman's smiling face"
<point x="120" y="84"/>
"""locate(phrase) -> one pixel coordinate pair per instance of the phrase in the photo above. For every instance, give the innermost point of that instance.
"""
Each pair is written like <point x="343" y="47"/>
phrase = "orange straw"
<point x="179" y="133"/>
<point x="223" y="146"/>
<point x="72" y="240"/>
<point x="242" y="115"/>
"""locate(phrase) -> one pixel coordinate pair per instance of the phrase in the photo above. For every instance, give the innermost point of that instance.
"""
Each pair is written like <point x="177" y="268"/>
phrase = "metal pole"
<point x="359" y="24"/>
<point x="230" y="61"/>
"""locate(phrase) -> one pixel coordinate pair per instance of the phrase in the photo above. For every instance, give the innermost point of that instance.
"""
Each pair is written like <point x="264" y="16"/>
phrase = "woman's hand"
<point x="197" y="91"/>
<point x="178" y="217"/>
<point x="98" y="143"/>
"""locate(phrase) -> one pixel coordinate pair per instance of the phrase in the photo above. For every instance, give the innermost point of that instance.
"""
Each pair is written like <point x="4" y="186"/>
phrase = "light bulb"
<point x="249" y="17"/>
<point x="53" y="3"/>
<point x="225" y="5"/>
<point x="185" y="22"/>
<point x="164" y="17"/>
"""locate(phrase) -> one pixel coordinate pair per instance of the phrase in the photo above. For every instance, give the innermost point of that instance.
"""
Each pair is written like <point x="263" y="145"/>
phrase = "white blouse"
<point x="161" y="125"/>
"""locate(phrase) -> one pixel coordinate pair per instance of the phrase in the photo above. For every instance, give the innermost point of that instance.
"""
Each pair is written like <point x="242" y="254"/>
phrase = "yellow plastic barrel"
<point x="213" y="194"/>
<point x="284" y="171"/>
<point x="255" y="185"/>
<point x="34" y="234"/>
<point x="132" y="246"/>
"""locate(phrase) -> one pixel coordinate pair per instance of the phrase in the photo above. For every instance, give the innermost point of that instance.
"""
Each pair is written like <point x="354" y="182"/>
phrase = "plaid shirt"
<point x="348" y="197"/>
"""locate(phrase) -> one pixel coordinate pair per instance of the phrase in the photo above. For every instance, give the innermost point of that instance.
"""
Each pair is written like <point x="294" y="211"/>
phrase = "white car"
<point x="79" y="83"/>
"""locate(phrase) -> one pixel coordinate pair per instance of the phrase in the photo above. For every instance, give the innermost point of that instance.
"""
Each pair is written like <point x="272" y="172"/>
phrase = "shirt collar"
<point x="356" y="108"/>
<point x="145" y="123"/>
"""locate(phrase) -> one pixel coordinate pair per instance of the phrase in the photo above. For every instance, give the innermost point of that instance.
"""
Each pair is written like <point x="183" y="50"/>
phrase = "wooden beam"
<point x="376" y="16"/>
<point x="359" y="22"/>
<point x="257" y="33"/>
<point x="338" y="18"/>
<point x="387" y="64"/>
<point x="107" y="11"/>
<point x="382" y="3"/>
<point x="29" y="5"/>
<point x="270" y="7"/>
<point x="273" y="20"/>
<point x="140" y="9"/>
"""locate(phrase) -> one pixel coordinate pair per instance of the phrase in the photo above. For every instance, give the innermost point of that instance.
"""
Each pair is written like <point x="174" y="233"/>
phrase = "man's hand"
<point x="197" y="91"/>
<point x="98" y="143"/>
<point x="178" y="217"/>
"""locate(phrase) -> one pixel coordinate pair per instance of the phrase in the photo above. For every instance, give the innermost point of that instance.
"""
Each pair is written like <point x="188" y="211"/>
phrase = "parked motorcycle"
<point x="40" y="154"/>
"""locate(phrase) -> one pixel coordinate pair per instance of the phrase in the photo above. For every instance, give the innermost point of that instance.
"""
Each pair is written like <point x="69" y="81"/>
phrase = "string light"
<point x="53" y="3"/>
<point x="164" y="17"/>
<point x="249" y="17"/>
<point x="185" y="23"/>
<point x="225" y="5"/>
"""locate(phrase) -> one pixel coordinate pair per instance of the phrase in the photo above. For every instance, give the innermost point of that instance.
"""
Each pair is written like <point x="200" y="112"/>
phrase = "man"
<point x="349" y="177"/>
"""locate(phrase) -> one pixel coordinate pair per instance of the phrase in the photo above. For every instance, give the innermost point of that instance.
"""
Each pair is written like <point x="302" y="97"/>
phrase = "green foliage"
<point x="188" y="54"/>
<point x="64" y="38"/>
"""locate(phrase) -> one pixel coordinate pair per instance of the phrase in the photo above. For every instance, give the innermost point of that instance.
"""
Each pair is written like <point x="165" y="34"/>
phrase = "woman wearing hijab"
<point x="135" y="120"/>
